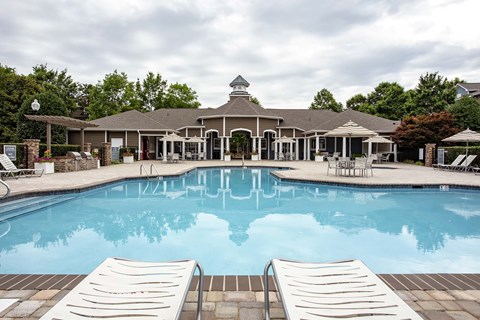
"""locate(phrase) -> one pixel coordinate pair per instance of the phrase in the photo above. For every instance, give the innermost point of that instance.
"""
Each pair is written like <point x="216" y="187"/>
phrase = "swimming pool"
<point x="234" y="220"/>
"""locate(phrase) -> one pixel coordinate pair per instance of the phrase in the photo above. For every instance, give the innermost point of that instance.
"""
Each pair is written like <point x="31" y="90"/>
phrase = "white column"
<point x="254" y="144"/>
<point x="291" y="149"/>
<point x="199" y="148"/>
<point x="369" y="152"/>
<point x="259" y="149"/>
<point x="205" y="151"/>
<point x="305" y="149"/>
<point x="221" y="148"/>
<point x="183" y="150"/>
<point x="317" y="144"/>
<point x="344" y="146"/>
<point x="164" y="151"/>
<point x="280" y="148"/>
<point x="172" y="147"/>
<point x="228" y="144"/>
<point x="308" y="149"/>
<point x="395" y="153"/>
<point x="297" y="149"/>
<point x="275" y="151"/>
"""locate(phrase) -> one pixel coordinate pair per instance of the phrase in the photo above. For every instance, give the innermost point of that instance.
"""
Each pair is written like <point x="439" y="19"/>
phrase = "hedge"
<point x="452" y="152"/>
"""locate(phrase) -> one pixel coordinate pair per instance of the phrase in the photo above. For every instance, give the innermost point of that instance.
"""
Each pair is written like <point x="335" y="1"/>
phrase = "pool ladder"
<point x="6" y="186"/>
<point x="152" y="167"/>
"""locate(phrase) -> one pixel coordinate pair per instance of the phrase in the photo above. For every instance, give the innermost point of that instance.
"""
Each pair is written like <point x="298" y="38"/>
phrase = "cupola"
<point x="239" y="86"/>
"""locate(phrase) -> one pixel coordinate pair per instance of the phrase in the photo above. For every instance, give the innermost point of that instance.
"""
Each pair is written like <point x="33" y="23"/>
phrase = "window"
<point x="217" y="143"/>
<point x="264" y="144"/>
<point x="322" y="144"/>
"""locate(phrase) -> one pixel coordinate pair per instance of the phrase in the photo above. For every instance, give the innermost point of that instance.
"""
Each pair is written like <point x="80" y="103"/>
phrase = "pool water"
<point x="234" y="220"/>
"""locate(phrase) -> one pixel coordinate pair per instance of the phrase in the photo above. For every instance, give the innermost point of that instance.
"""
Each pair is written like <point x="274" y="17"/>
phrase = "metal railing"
<point x="6" y="186"/>
<point x="151" y="171"/>
<point x="144" y="169"/>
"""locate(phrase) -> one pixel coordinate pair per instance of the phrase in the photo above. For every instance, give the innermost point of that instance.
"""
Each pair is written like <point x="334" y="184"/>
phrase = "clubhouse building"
<point x="210" y="132"/>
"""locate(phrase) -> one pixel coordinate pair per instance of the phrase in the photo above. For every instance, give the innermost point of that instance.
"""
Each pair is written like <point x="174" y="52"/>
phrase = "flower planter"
<point x="127" y="159"/>
<point x="48" y="167"/>
<point x="227" y="157"/>
<point x="254" y="157"/>
<point x="318" y="158"/>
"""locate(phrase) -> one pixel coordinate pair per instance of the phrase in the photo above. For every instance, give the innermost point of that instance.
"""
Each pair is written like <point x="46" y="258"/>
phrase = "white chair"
<point x="451" y="166"/>
<point x="128" y="289"/>
<point x="360" y="165"/>
<point x="188" y="155"/>
<point x="281" y="156"/>
<point x="332" y="164"/>
<point x="335" y="290"/>
<point x="11" y="169"/>
<point x="201" y="156"/>
<point x="175" y="157"/>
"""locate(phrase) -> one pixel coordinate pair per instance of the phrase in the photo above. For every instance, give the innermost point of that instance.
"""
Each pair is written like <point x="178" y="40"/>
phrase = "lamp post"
<point x="35" y="105"/>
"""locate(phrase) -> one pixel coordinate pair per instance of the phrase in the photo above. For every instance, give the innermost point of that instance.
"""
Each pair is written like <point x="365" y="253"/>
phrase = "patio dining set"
<point x="344" y="166"/>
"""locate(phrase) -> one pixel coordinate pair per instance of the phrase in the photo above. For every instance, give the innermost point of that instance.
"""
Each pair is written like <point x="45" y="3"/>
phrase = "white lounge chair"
<point x="455" y="163"/>
<point x="465" y="166"/>
<point x="12" y="171"/>
<point x="127" y="289"/>
<point x="337" y="290"/>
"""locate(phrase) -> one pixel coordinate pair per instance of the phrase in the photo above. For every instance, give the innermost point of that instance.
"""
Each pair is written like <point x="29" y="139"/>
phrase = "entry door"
<point x="117" y="143"/>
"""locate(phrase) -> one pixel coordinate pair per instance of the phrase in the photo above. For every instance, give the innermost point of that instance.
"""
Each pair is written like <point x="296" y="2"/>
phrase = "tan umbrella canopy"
<point x="172" y="138"/>
<point x="351" y="129"/>
<point x="284" y="139"/>
<point x="464" y="136"/>
<point x="196" y="139"/>
<point x="377" y="140"/>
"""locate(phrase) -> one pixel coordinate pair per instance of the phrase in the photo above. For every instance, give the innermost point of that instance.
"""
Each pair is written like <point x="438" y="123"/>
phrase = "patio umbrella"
<point x="173" y="137"/>
<point x="196" y="140"/>
<point x="377" y="140"/>
<point x="464" y="136"/>
<point x="284" y="139"/>
<point x="350" y="129"/>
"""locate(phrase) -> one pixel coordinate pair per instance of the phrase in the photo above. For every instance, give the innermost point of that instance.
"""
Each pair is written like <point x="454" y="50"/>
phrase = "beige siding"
<point x="132" y="137"/>
<point x="193" y="132"/>
<point x="287" y="132"/>
<point x="182" y="133"/>
<point x="116" y="134"/>
<point x="216" y="124"/>
<point x="266" y="124"/>
<point x="236" y="123"/>
<point x="96" y="138"/>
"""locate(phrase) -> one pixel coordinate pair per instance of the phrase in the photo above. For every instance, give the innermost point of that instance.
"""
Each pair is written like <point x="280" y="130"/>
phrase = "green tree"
<point x="356" y="102"/>
<point x="14" y="90"/>
<point x="58" y="82"/>
<point x="466" y="112"/>
<point x="51" y="105"/>
<point x="324" y="100"/>
<point x="115" y="94"/>
<point x="416" y="131"/>
<point x="239" y="141"/>
<point x="181" y="96"/>
<point x="388" y="100"/>
<point x="433" y="94"/>
<point x="255" y="100"/>
<point x="152" y="91"/>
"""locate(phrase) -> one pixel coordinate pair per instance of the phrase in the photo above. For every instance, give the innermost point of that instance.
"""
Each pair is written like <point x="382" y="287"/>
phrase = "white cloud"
<point x="288" y="50"/>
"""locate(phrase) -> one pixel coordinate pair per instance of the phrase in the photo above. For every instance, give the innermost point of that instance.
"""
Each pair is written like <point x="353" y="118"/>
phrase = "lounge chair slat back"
<point x="7" y="163"/>
<point x="344" y="289"/>
<point x="121" y="289"/>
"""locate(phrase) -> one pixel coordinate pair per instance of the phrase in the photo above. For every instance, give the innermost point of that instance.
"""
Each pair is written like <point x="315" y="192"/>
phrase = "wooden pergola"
<point x="62" y="121"/>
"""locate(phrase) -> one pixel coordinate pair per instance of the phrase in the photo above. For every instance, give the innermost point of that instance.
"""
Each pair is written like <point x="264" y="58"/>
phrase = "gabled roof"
<point x="239" y="106"/>
<point x="473" y="86"/>
<point x="304" y="119"/>
<point x="178" y="118"/>
<point x="129" y="120"/>
<point x="365" y="120"/>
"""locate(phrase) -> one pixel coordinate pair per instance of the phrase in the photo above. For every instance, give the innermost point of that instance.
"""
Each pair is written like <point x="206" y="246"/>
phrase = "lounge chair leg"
<point x="200" y="291"/>
<point x="266" y="290"/>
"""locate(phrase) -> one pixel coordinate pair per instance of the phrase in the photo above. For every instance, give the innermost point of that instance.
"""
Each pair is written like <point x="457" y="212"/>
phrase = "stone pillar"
<point x="87" y="147"/>
<point x="33" y="150"/>
<point x="429" y="154"/>
<point x="107" y="153"/>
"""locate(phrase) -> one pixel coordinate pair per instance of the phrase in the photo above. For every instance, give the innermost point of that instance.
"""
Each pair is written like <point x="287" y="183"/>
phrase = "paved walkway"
<point x="429" y="303"/>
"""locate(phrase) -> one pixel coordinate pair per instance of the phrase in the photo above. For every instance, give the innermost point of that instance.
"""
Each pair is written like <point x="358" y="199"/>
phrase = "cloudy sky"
<point x="288" y="50"/>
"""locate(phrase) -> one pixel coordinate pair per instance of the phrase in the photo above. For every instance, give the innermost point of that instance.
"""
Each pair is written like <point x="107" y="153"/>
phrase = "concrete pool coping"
<point x="222" y="302"/>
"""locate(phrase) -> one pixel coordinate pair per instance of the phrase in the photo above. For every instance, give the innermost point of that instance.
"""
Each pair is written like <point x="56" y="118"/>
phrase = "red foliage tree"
<point x="415" y="132"/>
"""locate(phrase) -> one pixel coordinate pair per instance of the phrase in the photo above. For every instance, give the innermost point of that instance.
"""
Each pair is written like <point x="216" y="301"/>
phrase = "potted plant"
<point x="254" y="155"/>
<point x="227" y="156"/>
<point x="45" y="163"/>
<point x="127" y="156"/>
<point x="95" y="156"/>
<point x="318" y="157"/>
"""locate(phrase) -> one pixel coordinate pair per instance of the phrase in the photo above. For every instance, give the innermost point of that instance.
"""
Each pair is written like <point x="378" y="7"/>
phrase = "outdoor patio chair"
<point x="175" y="157"/>
<point x="121" y="289"/>
<point x="12" y="171"/>
<point x="369" y="166"/>
<point x="281" y="156"/>
<point x="465" y="166"/>
<point x="386" y="157"/>
<point x="335" y="290"/>
<point x="336" y="155"/>
<point x="201" y="156"/>
<point x="188" y="155"/>
<point x="361" y="166"/>
<point x="332" y="164"/>
<point x="455" y="163"/>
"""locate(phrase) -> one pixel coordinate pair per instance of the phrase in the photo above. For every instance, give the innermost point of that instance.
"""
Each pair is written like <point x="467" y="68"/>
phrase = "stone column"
<point x="107" y="153"/>
<point x="429" y="154"/>
<point x="87" y="147"/>
<point x="33" y="150"/>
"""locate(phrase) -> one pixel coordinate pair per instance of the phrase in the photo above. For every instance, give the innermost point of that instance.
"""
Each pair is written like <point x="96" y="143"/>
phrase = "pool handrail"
<point x="152" y="166"/>
<point x="6" y="186"/>
<point x="144" y="169"/>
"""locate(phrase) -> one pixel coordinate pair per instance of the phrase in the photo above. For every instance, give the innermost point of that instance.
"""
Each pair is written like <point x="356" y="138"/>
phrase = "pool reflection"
<point x="240" y="198"/>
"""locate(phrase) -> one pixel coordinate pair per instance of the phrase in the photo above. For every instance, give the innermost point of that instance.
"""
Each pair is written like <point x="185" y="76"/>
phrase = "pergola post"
<point x="82" y="138"/>
<point x="49" y="136"/>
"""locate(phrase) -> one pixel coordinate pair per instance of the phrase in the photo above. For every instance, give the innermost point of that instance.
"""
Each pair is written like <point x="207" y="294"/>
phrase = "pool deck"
<point x="433" y="296"/>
